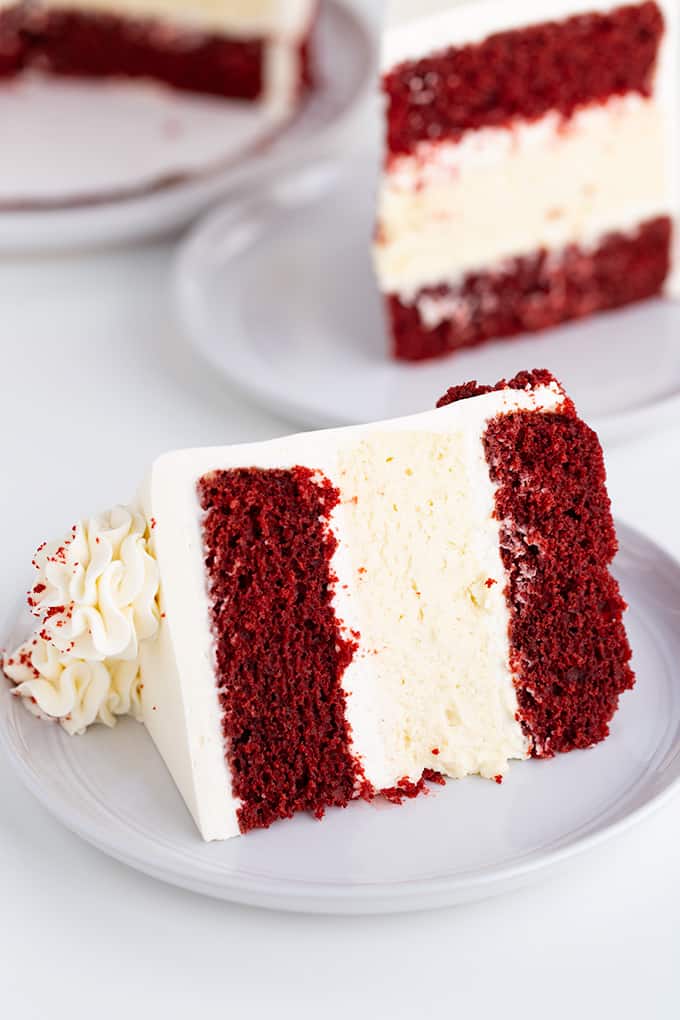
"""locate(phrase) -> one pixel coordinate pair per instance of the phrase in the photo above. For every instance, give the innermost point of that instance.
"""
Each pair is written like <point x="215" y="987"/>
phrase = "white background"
<point x="96" y="381"/>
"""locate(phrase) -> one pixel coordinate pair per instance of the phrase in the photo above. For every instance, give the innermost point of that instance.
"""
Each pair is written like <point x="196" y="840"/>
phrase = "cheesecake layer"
<point x="503" y="193"/>
<point x="422" y="585"/>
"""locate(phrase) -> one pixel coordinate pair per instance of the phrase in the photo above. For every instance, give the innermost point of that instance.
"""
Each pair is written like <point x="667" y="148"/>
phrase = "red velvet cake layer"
<point x="531" y="293"/>
<point x="569" y="651"/>
<point x="280" y="651"/>
<point x="72" y="43"/>
<point x="522" y="381"/>
<point x="523" y="73"/>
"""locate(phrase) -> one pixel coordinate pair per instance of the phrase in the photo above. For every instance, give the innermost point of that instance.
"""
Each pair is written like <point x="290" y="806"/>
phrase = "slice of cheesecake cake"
<point x="255" y="50"/>
<point x="342" y="614"/>
<point x="531" y="172"/>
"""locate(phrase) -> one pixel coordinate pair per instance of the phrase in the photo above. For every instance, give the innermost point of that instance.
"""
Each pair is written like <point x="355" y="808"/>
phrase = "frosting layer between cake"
<point x="501" y="193"/>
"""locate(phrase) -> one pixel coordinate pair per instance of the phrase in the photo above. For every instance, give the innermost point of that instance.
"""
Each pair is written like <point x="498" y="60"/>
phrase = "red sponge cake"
<point x="530" y="171"/>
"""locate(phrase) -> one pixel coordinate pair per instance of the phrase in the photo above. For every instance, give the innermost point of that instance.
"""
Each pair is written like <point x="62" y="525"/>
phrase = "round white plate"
<point x="106" y="162"/>
<point x="466" y="841"/>
<point x="278" y="294"/>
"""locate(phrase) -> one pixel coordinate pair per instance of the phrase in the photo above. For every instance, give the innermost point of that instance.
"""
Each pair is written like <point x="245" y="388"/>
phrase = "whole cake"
<point x="530" y="174"/>
<point x="247" y="49"/>
<point x="347" y="613"/>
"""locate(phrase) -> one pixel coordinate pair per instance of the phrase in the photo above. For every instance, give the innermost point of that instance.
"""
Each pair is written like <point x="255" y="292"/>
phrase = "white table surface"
<point x="96" y="381"/>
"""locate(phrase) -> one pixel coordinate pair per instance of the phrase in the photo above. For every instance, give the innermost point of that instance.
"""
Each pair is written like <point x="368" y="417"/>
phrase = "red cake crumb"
<point x="523" y="73"/>
<point x="280" y="651"/>
<point x="538" y="291"/>
<point x="522" y="381"/>
<point x="569" y="651"/>
<point x="406" y="790"/>
<point x="101" y="45"/>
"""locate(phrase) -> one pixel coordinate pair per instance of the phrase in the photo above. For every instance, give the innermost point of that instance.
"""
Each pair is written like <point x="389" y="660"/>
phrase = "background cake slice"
<point x="530" y="173"/>
<point x="255" y="50"/>
<point x="347" y="613"/>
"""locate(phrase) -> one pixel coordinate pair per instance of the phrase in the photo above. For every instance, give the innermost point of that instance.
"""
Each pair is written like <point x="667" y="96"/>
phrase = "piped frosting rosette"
<point x="96" y="600"/>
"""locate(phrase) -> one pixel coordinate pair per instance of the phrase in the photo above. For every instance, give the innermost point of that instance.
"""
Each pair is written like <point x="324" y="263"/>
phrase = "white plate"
<point x="89" y="163"/>
<point x="466" y="841"/>
<point x="278" y="294"/>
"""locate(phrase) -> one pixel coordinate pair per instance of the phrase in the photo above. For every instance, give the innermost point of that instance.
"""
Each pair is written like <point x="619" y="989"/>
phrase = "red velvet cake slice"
<point x="342" y="614"/>
<point x="531" y="171"/>
<point x="256" y="50"/>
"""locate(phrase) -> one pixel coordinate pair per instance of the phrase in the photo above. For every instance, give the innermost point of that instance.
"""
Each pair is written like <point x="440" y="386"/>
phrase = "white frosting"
<point x="181" y="708"/>
<point x="239" y="18"/>
<point x="72" y="691"/>
<point x="97" y="601"/>
<point x="499" y="193"/>
<point x="96" y="590"/>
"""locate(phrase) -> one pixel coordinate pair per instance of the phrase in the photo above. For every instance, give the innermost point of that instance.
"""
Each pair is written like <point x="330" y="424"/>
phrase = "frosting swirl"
<point x="96" y="598"/>
<point x="72" y="691"/>
<point x="96" y="593"/>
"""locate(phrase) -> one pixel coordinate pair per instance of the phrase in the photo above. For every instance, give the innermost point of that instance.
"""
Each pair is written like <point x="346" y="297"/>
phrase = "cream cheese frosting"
<point x="96" y="599"/>
<point x="72" y="691"/>
<point x="96" y="589"/>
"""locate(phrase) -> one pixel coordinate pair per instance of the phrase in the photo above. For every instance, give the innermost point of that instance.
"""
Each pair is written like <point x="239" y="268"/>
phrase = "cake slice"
<point x="257" y="51"/>
<point x="531" y="172"/>
<point x="341" y="614"/>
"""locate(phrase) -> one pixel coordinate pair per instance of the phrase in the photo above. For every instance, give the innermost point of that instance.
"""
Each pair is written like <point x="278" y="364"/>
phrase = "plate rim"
<point x="194" y="191"/>
<point x="226" y="220"/>
<point x="354" y="898"/>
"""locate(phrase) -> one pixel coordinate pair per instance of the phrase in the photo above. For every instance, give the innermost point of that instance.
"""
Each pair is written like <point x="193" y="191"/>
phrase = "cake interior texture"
<point x="348" y="613"/>
<point x="225" y="49"/>
<point x="280" y="653"/>
<point x="528" y="173"/>
<point x="440" y="606"/>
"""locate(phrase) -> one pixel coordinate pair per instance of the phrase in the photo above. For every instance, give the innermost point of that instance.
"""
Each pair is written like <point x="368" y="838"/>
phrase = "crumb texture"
<point x="523" y="73"/>
<point x="569" y="652"/>
<point x="527" y="380"/>
<point x="280" y="650"/>
<point x="71" y="43"/>
<point x="533" y="293"/>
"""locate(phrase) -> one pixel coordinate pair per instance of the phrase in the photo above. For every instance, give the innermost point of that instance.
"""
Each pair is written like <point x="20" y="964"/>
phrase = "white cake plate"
<point x="278" y="295"/>
<point x="469" y="840"/>
<point x="88" y="163"/>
